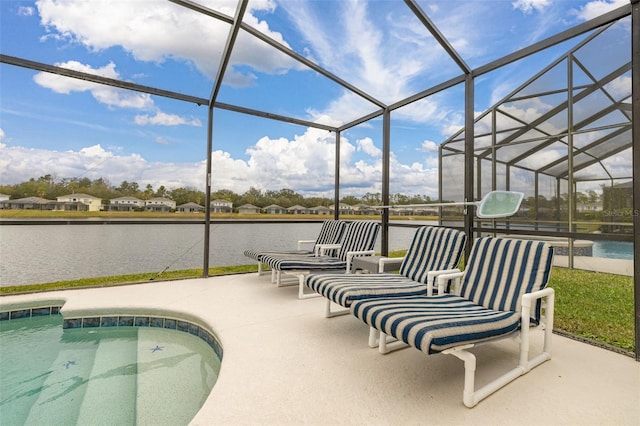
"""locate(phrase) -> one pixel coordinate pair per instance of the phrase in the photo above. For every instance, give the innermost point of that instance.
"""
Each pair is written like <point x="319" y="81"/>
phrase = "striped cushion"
<point x="433" y="324"/>
<point x="435" y="248"/>
<point x="343" y="289"/>
<point x="330" y="233"/>
<point x="432" y="249"/>
<point x="501" y="270"/>
<point x="358" y="236"/>
<point x="282" y="262"/>
<point x="258" y="255"/>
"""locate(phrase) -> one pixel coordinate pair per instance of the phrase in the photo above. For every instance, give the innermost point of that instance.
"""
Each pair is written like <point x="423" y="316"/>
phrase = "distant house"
<point x="248" y="209"/>
<point x="401" y="211"/>
<point x="221" y="206"/>
<point x="125" y="204"/>
<point x="589" y="207"/>
<point x="319" y="210"/>
<point x="344" y="208"/>
<point x="190" y="208"/>
<point x="4" y="197"/>
<point x="79" y="202"/>
<point x="159" y="204"/>
<point x="364" y="209"/>
<point x="297" y="209"/>
<point x="29" y="203"/>
<point x="427" y="211"/>
<point x="274" y="209"/>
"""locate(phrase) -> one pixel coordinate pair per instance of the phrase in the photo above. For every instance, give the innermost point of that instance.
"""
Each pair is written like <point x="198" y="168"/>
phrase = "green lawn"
<point x="595" y="306"/>
<point x="589" y="305"/>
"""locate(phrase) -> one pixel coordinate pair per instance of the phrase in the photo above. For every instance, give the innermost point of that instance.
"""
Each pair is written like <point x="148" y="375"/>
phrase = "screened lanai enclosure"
<point x="566" y="129"/>
<point x="562" y="129"/>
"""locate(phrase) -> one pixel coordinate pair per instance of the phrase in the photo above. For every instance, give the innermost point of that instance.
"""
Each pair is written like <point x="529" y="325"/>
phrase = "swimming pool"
<point x="103" y="370"/>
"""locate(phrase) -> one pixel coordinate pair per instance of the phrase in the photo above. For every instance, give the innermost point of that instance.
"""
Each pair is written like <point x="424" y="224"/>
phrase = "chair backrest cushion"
<point x="331" y="233"/>
<point x="432" y="249"/>
<point x="500" y="270"/>
<point x="359" y="235"/>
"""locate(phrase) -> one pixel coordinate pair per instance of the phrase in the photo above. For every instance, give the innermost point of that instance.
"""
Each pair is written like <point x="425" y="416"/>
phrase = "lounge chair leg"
<point x="472" y="397"/>
<point x="374" y="335"/>
<point x="301" y="293"/>
<point x="388" y="343"/>
<point x="331" y="314"/>
<point x="469" y="359"/>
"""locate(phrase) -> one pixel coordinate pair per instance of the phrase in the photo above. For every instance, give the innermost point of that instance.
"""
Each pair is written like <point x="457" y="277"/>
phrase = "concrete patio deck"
<point x="285" y="364"/>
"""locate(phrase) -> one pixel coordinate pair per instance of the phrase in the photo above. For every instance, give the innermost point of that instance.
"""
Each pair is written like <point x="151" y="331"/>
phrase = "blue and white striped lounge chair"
<point x="433" y="251"/>
<point x="329" y="236"/>
<point x="499" y="296"/>
<point x="358" y="240"/>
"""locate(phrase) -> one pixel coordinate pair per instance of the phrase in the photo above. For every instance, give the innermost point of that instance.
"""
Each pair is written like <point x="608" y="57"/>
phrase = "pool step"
<point x="168" y="372"/>
<point x="110" y="397"/>
<point x="63" y="390"/>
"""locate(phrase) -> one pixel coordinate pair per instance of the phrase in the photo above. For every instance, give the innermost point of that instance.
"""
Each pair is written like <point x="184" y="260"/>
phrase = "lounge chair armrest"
<point x="529" y="300"/>
<point x="396" y="262"/>
<point x="432" y="278"/>
<point x="322" y="249"/>
<point x="444" y="278"/>
<point x="301" y="243"/>
<point x="352" y="254"/>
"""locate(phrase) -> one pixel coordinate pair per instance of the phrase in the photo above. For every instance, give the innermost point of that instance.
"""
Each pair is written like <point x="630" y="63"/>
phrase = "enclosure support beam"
<point x="336" y="188"/>
<point x="386" y="156"/>
<point x="571" y="186"/>
<point x="468" y="161"/>
<point x="635" y="140"/>
<point x="207" y="197"/>
<point x="226" y="55"/>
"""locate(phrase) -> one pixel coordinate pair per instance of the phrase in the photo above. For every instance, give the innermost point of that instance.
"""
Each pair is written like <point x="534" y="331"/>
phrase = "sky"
<point x="74" y="129"/>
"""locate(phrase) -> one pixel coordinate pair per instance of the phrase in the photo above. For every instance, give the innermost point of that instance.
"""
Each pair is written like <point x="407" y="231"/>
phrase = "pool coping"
<point x="110" y="318"/>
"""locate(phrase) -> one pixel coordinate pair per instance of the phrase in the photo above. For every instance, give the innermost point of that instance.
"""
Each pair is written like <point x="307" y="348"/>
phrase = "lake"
<point x="33" y="254"/>
<point x="44" y="253"/>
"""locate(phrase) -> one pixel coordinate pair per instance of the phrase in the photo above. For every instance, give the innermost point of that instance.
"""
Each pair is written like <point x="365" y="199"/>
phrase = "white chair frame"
<point x="471" y="396"/>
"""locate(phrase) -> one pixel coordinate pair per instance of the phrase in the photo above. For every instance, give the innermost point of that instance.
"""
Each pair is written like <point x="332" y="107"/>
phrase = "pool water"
<point x="613" y="249"/>
<point x="105" y="375"/>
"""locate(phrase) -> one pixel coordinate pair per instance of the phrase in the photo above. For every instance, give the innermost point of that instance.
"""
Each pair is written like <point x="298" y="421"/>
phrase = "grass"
<point x="595" y="306"/>
<point x="125" y="279"/>
<point x="590" y="305"/>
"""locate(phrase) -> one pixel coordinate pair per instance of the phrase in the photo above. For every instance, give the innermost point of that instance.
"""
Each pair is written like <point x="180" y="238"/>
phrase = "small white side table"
<point x="376" y="264"/>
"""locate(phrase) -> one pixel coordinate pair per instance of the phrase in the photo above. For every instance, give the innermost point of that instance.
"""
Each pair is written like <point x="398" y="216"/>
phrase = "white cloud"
<point x="528" y="6"/>
<point x="163" y="31"/>
<point x="429" y="146"/>
<point x="110" y="96"/>
<point x="164" y="119"/>
<point x="304" y="163"/>
<point x="378" y="57"/>
<point x="66" y="85"/>
<point x="366" y="145"/>
<point x="106" y="95"/>
<point x="620" y="88"/>
<point x="26" y="11"/>
<point x="596" y="8"/>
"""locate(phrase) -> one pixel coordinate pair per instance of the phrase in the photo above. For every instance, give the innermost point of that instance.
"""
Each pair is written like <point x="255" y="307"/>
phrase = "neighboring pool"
<point x="122" y="370"/>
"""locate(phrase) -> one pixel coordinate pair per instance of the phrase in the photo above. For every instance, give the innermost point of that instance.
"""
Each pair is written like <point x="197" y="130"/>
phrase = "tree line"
<point x="50" y="188"/>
